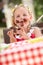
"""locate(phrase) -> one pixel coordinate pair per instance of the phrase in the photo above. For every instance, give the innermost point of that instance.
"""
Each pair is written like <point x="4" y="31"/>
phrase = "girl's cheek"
<point x="26" y="18"/>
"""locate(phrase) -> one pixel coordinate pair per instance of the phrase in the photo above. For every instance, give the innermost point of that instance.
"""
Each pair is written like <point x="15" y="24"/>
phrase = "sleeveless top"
<point x="29" y="34"/>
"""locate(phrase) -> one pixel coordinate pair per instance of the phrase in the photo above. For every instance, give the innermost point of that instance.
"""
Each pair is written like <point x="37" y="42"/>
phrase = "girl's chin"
<point x="22" y="26"/>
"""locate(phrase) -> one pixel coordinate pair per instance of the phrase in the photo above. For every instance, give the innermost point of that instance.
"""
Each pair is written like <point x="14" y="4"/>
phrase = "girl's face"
<point x="22" y="17"/>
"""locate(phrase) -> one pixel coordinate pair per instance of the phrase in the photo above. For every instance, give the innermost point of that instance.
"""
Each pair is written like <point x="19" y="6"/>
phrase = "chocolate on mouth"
<point x="17" y="21"/>
<point x="24" y="20"/>
<point x="19" y="28"/>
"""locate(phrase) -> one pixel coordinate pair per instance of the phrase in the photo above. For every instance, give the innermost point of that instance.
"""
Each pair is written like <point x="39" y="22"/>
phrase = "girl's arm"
<point x="13" y="39"/>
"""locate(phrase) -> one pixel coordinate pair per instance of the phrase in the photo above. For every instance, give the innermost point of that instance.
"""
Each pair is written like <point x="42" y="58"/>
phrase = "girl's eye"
<point x="18" y="15"/>
<point x="24" y="15"/>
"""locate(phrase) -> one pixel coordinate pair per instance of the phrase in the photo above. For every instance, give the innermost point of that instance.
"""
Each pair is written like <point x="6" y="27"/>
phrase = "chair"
<point x="6" y="37"/>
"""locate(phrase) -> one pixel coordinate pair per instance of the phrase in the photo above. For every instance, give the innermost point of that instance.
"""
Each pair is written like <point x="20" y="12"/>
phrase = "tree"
<point x="38" y="5"/>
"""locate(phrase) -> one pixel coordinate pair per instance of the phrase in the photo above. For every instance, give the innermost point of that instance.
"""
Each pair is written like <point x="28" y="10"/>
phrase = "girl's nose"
<point x="22" y="17"/>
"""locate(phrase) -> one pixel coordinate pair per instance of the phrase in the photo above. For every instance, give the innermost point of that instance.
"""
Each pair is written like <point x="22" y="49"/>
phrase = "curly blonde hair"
<point x="18" y="6"/>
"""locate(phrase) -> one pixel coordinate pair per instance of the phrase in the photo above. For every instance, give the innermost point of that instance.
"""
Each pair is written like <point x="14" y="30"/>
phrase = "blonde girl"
<point x="22" y="23"/>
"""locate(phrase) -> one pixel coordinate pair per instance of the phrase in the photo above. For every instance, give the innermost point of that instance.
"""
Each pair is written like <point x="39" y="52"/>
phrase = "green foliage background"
<point x="38" y="5"/>
<point x="15" y="1"/>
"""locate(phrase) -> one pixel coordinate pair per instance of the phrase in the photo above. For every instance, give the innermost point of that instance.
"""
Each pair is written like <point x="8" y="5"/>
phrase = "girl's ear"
<point x="30" y="17"/>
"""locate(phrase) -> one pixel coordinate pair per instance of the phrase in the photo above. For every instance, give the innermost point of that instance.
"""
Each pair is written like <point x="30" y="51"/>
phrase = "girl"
<point x="22" y="24"/>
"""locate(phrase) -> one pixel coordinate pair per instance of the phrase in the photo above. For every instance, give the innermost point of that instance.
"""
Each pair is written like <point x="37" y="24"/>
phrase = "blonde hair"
<point x="18" y="6"/>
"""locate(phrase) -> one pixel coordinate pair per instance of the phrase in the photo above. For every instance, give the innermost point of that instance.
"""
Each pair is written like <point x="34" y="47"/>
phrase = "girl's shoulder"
<point x="37" y="31"/>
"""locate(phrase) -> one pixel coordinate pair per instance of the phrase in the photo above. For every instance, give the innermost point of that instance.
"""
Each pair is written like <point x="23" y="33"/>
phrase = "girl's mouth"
<point x="25" y="20"/>
<point x="22" y="21"/>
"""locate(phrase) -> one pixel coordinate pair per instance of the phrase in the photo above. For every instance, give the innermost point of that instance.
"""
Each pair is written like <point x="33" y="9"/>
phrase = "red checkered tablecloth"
<point x="23" y="55"/>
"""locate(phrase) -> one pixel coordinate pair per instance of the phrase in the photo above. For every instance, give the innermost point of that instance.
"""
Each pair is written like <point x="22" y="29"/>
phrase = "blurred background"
<point x="6" y="6"/>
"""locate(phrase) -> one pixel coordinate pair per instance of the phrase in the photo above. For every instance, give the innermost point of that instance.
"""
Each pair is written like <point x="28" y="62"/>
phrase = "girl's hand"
<point x="11" y="35"/>
<point x="22" y="33"/>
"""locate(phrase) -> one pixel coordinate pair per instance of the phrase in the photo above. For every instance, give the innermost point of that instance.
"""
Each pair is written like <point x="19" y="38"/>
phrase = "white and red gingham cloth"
<point x="26" y="54"/>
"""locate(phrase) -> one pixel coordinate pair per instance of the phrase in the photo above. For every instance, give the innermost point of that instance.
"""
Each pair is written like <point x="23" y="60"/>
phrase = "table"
<point x="23" y="54"/>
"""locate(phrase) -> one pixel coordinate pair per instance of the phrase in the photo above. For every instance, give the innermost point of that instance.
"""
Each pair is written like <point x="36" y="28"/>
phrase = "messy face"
<point x="22" y="17"/>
